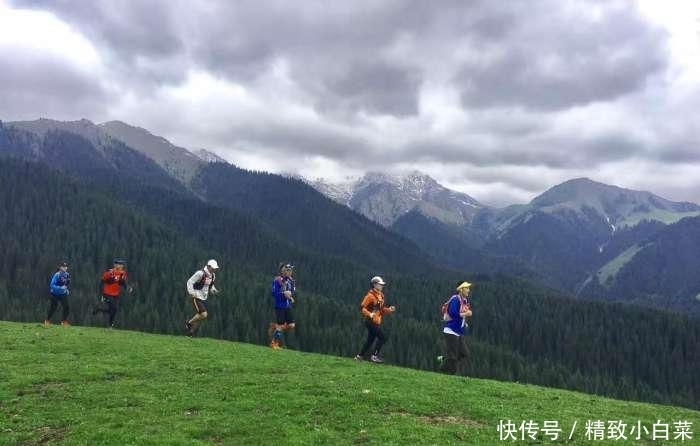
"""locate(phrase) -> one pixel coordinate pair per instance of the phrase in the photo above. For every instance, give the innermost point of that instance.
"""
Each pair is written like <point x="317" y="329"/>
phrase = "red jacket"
<point x="112" y="281"/>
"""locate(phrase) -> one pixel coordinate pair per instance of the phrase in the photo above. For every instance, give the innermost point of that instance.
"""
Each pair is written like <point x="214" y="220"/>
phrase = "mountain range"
<point x="582" y="237"/>
<point x="385" y="198"/>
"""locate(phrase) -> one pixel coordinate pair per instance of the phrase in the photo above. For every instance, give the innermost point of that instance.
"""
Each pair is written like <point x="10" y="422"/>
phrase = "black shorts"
<point x="199" y="305"/>
<point x="284" y="316"/>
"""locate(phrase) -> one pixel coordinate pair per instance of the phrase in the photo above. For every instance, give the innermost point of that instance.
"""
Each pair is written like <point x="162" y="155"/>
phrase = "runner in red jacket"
<point x="113" y="280"/>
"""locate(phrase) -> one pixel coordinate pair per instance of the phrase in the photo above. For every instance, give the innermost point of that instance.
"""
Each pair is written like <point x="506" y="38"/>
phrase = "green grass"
<point x="666" y="217"/>
<point x="88" y="386"/>
<point x="610" y="269"/>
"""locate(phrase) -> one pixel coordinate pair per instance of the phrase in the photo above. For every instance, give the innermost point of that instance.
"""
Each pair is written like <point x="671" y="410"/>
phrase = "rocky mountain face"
<point x="178" y="161"/>
<point x="385" y="198"/>
<point x="83" y="149"/>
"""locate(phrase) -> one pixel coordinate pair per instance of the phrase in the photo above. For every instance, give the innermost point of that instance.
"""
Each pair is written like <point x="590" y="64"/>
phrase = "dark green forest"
<point x="309" y="219"/>
<point x="521" y="332"/>
<point x="453" y="248"/>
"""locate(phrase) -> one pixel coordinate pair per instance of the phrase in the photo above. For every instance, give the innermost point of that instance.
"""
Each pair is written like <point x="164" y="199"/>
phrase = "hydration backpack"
<point x="443" y="309"/>
<point x="200" y="284"/>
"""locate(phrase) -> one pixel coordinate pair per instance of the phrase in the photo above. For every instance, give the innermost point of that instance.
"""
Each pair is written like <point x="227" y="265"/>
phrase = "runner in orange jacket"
<point x="372" y="309"/>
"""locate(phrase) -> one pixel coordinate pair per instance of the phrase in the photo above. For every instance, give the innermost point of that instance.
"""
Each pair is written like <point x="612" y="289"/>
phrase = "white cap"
<point x="377" y="279"/>
<point x="212" y="263"/>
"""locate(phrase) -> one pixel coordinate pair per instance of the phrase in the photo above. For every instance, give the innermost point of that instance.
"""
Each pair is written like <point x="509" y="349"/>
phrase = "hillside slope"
<point x="81" y="386"/>
<point x="453" y="247"/>
<point x="303" y="216"/>
<point x="663" y="271"/>
<point x="522" y="333"/>
<point x="575" y="228"/>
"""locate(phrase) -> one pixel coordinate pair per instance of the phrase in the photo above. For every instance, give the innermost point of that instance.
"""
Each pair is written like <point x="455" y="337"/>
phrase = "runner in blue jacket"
<point x="59" y="291"/>
<point x="455" y="328"/>
<point x="283" y="293"/>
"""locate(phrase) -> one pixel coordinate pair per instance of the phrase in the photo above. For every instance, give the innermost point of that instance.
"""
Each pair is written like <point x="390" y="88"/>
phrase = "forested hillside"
<point x="664" y="270"/>
<point x="520" y="332"/>
<point x="302" y="215"/>
<point x="452" y="247"/>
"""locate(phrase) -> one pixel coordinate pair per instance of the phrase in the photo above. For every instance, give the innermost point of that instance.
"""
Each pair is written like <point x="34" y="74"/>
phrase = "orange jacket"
<point x="374" y="303"/>
<point x="112" y="281"/>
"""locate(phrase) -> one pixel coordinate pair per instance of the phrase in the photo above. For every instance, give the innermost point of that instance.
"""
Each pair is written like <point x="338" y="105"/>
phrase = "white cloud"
<point x="44" y="35"/>
<point x="681" y="19"/>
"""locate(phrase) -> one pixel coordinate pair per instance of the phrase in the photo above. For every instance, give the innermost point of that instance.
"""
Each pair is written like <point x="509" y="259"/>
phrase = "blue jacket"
<point x="456" y="323"/>
<point x="279" y="285"/>
<point x="59" y="284"/>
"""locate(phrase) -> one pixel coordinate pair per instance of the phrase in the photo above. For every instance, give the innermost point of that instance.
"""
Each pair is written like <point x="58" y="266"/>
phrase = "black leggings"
<point x="53" y="303"/>
<point x="373" y="332"/>
<point x="456" y="352"/>
<point x="112" y="304"/>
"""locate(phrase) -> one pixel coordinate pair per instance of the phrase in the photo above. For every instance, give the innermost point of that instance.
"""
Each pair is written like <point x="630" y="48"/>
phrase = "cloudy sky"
<point x="498" y="99"/>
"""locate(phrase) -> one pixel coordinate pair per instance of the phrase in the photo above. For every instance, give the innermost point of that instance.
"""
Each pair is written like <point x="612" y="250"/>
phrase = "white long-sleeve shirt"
<point x="204" y="292"/>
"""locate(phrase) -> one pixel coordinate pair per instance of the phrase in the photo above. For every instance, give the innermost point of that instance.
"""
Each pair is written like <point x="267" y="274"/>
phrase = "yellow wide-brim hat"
<point x="463" y="285"/>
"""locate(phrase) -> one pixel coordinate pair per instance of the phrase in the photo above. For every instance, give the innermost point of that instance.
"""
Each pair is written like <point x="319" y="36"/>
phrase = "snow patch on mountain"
<point x="384" y="198"/>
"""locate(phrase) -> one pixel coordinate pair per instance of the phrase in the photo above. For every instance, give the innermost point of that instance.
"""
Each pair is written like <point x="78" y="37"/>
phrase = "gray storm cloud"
<point x="539" y="54"/>
<point x="44" y="85"/>
<point x="559" y="58"/>
<point x="559" y="86"/>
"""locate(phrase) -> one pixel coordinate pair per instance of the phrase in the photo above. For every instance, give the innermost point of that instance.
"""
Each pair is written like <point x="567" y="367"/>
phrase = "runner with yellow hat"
<point x="455" y="328"/>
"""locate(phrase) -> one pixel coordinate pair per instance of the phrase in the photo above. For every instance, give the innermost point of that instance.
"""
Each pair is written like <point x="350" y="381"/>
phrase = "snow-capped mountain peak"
<point x="384" y="198"/>
<point x="340" y="192"/>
